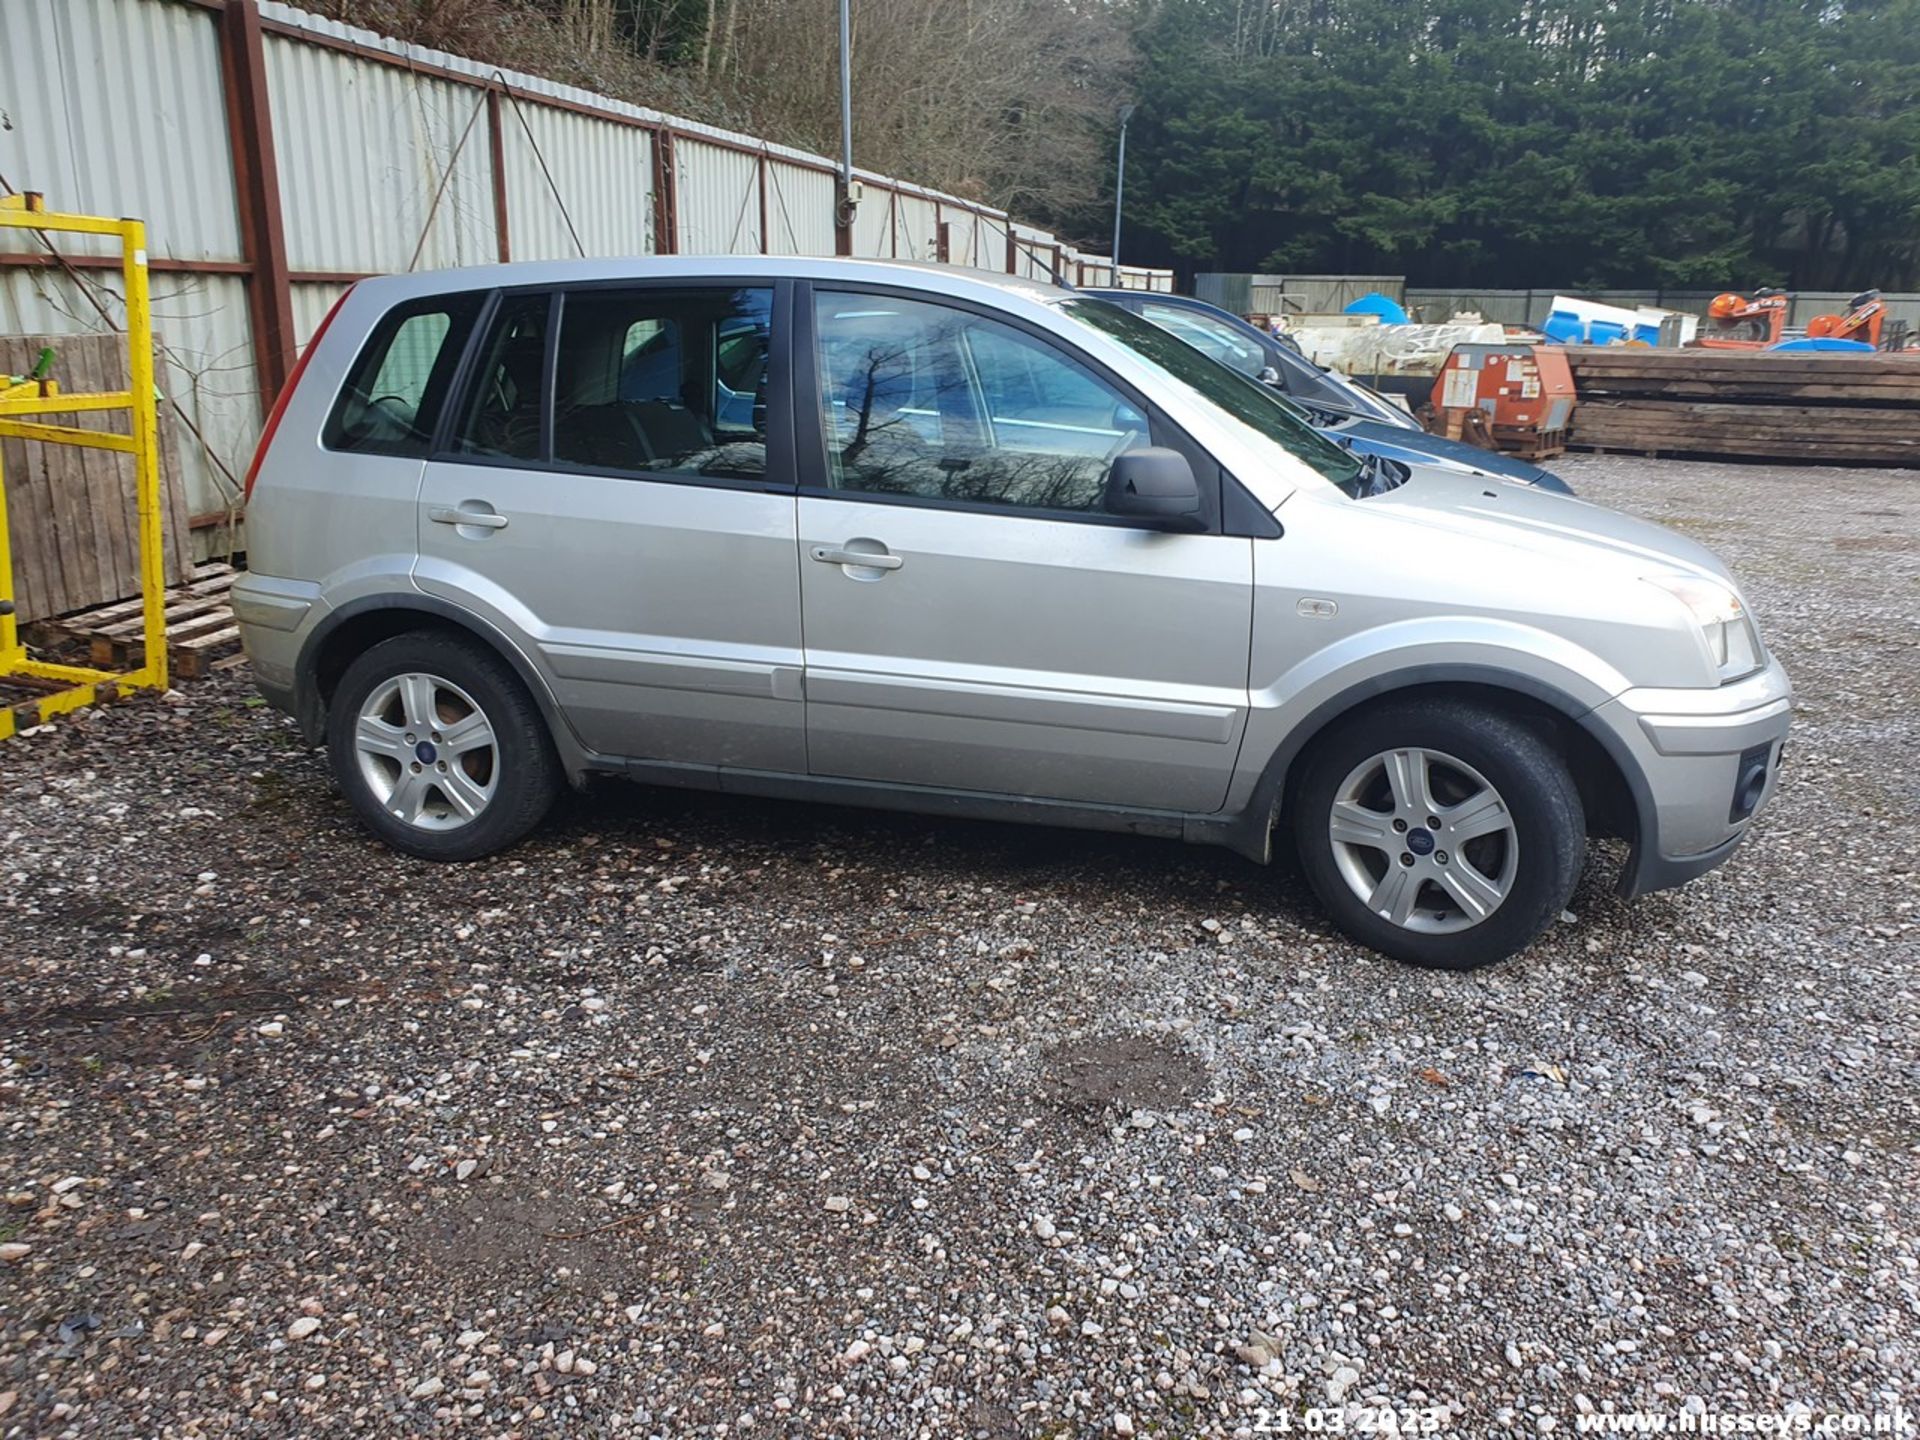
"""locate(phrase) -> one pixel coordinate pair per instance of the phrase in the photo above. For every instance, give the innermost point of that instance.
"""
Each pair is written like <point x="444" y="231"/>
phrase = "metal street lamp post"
<point x="1120" y="188"/>
<point x="844" y="206"/>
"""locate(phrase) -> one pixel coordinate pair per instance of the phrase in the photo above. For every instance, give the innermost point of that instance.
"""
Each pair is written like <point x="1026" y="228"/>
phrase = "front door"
<point x="973" y="619"/>
<point x="618" y="493"/>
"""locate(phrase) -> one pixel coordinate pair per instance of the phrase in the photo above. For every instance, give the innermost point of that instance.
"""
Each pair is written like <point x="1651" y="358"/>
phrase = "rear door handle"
<point x="480" y="519"/>
<point x="868" y="559"/>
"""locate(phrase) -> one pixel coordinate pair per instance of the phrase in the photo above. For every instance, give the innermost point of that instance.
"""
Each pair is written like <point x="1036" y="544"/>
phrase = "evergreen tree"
<point x="1532" y="142"/>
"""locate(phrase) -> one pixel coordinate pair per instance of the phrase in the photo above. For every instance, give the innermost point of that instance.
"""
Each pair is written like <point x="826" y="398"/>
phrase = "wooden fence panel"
<point x="71" y="511"/>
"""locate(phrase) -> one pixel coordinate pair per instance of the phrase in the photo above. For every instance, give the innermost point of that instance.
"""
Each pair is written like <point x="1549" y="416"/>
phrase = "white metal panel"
<point x="115" y="107"/>
<point x="719" y="199"/>
<point x="967" y="241"/>
<point x="915" y="228"/>
<point x="576" y="184"/>
<point x="311" y="302"/>
<point x="872" y="222"/>
<point x="959" y="229"/>
<point x="206" y="364"/>
<point x="990" y="230"/>
<point x="381" y="170"/>
<point x="1034" y="252"/>
<point x="799" y="210"/>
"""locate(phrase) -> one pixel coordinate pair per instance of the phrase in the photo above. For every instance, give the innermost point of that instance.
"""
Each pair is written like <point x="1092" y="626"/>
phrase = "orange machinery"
<point x="1742" y="322"/>
<point x="1866" y="313"/>
<point x="1511" y="396"/>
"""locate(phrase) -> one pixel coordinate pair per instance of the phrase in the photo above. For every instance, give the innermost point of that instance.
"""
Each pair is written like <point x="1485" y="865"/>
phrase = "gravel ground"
<point x="707" y="1116"/>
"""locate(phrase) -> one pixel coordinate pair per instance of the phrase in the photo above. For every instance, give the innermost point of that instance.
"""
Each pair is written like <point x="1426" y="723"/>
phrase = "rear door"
<point x="616" y="489"/>
<point x="973" y="618"/>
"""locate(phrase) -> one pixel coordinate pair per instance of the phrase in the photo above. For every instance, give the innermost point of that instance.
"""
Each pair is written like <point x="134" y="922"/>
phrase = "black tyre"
<point x="1441" y="833"/>
<point x="437" y="744"/>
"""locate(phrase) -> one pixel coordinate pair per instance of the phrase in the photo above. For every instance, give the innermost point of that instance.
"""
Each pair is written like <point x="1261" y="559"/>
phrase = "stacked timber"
<point x="1811" y="408"/>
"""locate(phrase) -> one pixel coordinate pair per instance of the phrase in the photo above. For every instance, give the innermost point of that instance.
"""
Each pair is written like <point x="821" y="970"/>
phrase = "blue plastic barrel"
<point x="1563" y="327"/>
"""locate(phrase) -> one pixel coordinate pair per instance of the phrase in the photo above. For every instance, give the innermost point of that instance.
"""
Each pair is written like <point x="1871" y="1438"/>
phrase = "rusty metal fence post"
<point x="256" y="177"/>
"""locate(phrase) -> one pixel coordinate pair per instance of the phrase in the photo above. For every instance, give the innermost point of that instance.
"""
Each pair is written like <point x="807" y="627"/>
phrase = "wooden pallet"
<point x="1765" y="378"/>
<point x="1810" y="408"/>
<point x="1527" y="443"/>
<point x="201" y="634"/>
<point x="75" y="536"/>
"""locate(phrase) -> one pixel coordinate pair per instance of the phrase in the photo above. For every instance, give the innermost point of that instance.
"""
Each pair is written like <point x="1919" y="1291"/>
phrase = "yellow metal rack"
<point x="40" y="396"/>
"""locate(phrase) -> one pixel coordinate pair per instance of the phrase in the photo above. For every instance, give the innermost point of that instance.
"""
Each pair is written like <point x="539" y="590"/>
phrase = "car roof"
<point x="925" y="275"/>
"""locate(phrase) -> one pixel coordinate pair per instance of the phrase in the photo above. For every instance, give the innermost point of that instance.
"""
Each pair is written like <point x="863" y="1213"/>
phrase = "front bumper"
<point x="1708" y="762"/>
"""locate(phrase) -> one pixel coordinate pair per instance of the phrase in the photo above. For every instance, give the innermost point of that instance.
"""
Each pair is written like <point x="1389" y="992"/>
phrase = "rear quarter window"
<point x="391" y="402"/>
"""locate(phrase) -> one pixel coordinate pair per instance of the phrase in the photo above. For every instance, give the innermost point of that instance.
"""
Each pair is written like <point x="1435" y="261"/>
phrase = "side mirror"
<point x="1155" y="485"/>
<point x="1269" y="376"/>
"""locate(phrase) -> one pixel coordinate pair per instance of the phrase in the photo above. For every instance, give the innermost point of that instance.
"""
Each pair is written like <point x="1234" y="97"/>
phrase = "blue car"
<point x="1341" y="409"/>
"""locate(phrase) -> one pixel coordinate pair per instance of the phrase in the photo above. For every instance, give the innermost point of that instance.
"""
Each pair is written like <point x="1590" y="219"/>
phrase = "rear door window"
<point x="663" y="379"/>
<point x="399" y="383"/>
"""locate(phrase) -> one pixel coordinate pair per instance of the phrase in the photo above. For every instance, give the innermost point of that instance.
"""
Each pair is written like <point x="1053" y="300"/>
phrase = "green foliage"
<point x="1532" y="142"/>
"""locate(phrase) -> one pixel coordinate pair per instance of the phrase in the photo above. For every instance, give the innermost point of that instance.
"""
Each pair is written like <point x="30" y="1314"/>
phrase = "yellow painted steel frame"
<point x="24" y="212"/>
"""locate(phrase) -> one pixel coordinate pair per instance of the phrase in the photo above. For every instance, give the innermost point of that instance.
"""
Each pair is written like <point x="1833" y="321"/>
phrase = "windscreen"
<point x="1247" y="401"/>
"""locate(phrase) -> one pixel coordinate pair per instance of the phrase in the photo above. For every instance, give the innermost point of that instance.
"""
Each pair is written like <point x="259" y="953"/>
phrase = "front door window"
<point x="938" y="403"/>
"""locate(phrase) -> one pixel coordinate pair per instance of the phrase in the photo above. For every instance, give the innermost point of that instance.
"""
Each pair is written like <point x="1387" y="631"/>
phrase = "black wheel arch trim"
<point x="1250" y="831"/>
<point x="310" y="709"/>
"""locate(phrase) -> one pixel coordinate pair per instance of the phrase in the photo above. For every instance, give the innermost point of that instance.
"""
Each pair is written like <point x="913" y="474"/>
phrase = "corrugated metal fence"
<point x="277" y="156"/>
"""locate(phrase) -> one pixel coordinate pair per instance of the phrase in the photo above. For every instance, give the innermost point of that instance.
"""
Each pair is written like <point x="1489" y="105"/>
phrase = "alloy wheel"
<point x="1424" y="840"/>
<point x="427" y="752"/>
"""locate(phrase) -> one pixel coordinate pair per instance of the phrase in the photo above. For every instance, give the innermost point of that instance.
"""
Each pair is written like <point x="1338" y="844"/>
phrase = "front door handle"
<point x="479" y="519"/>
<point x="866" y="559"/>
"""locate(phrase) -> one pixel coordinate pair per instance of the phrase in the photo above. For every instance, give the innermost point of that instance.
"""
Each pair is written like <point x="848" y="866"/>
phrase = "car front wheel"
<point x="1440" y="833"/>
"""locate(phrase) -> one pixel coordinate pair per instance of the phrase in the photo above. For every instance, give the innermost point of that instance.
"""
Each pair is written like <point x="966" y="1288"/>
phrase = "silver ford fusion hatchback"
<point x="938" y="540"/>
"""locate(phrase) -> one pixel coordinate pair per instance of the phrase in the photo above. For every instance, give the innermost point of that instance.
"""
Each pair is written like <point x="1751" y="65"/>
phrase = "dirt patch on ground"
<point x="1133" y="1072"/>
<point x="164" y="1025"/>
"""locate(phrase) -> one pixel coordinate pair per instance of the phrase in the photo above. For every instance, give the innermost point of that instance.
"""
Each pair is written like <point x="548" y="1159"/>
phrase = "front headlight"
<point x="1724" y="625"/>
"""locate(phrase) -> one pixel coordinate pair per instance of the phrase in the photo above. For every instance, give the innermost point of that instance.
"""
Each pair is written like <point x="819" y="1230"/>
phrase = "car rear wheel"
<point x="1443" y="834"/>
<point x="440" y="749"/>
